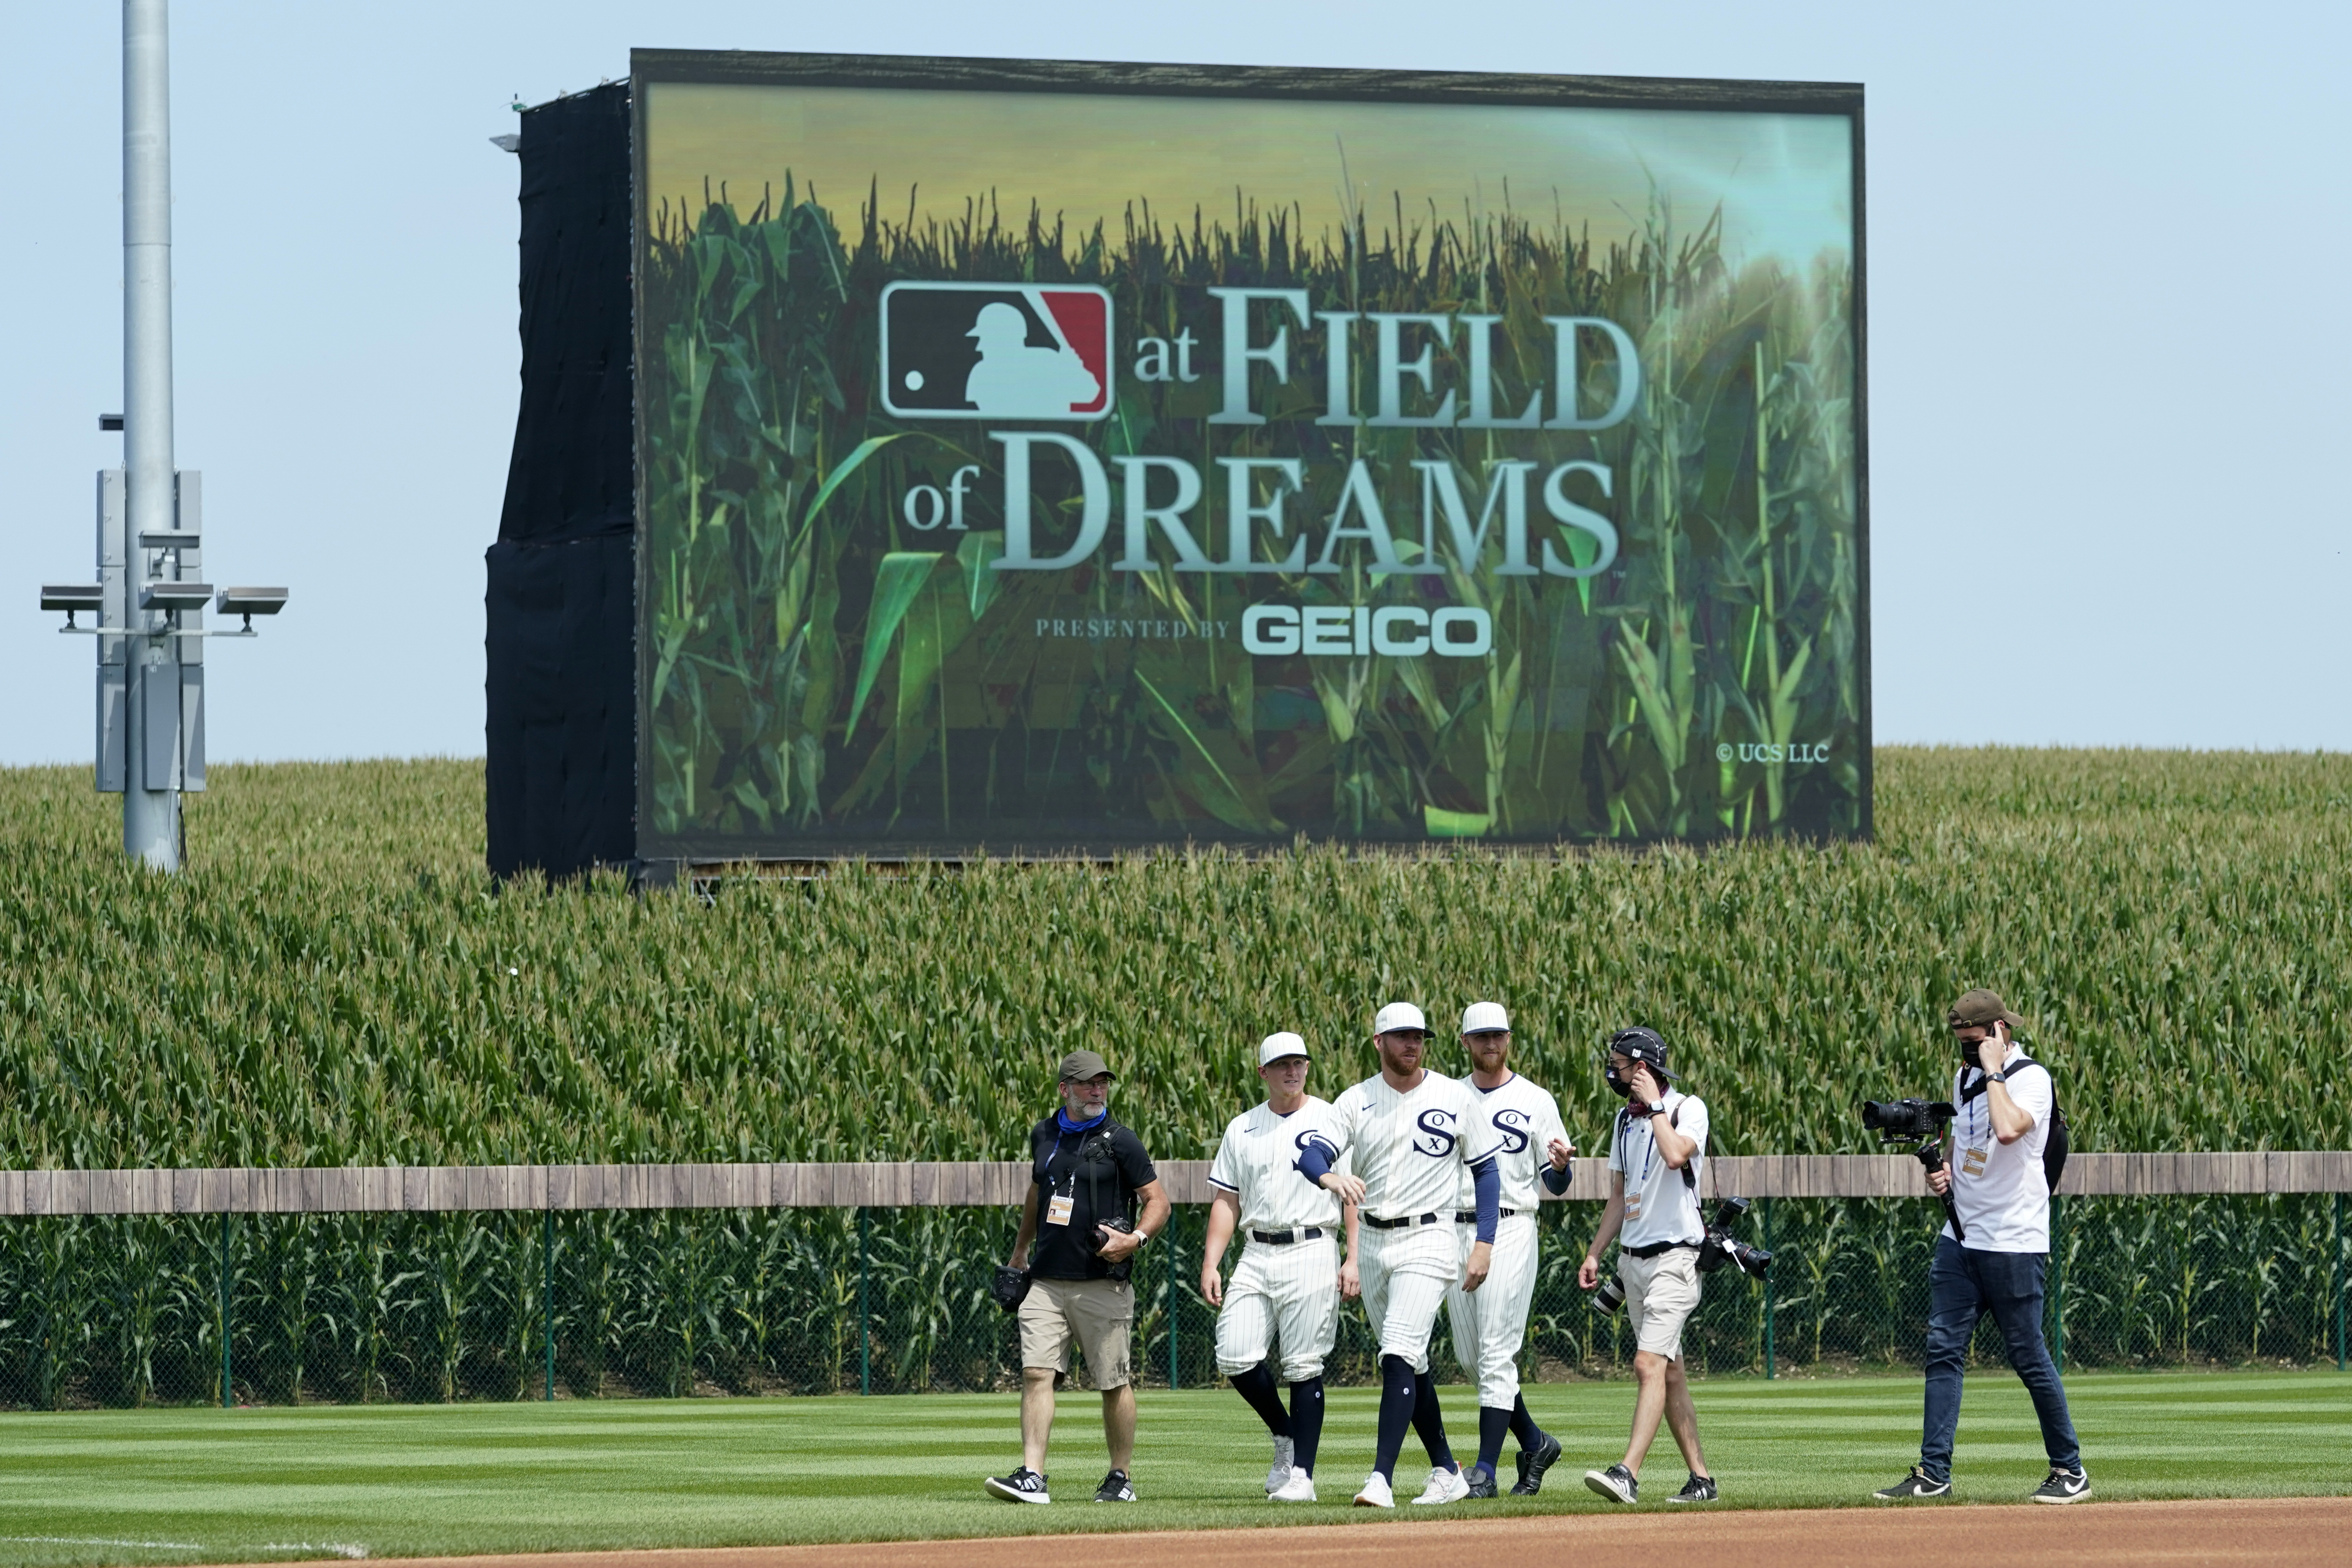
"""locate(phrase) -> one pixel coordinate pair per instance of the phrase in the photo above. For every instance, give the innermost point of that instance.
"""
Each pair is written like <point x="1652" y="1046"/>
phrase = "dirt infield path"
<point x="2289" y="1532"/>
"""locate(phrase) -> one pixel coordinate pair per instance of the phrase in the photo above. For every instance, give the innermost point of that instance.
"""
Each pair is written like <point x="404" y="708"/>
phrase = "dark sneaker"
<point x="1616" y="1483"/>
<point x="1917" y="1484"/>
<point x="1533" y="1463"/>
<point x="1024" y="1485"/>
<point x="2063" y="1486"/>
<point x="1482" y="1482"/>
<point x="1116" y="1487"/>
<point x="1698" y="1488"/>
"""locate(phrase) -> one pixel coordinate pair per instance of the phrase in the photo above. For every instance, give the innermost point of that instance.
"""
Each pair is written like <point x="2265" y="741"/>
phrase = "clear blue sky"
<point x="2109" y="328"/>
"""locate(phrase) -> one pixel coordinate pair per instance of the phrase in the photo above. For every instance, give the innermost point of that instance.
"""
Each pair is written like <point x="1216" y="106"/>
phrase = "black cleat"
<point x="1482" y="1482"/>
<point x="1616" y="1483"/>
<point x="2063" y="1486"/>
<point x="1917" y="1484"/>
<point x="1534" y="1462"/>
<point x="1698" y="1488"/>
<point x="1116" y="1487"/>
<point x="1024" y="1485"/>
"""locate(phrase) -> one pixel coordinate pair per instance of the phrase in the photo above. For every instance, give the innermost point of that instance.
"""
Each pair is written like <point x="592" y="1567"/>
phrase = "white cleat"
<point x="1444" y="1486"/>
<point x="1299" y="1487"/>
<point x="1374" y="1492"/>
<point x="1279" y="1471"/>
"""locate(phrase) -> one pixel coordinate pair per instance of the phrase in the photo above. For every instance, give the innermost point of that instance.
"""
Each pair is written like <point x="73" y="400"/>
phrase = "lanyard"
<point x="1985" y="1101"/>
<point x="1070" y="1176"/>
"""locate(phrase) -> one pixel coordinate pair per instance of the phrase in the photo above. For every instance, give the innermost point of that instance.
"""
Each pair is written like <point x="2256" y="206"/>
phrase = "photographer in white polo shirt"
<point x="2006" y="1103"/>
<point x="1656" y="1147"/>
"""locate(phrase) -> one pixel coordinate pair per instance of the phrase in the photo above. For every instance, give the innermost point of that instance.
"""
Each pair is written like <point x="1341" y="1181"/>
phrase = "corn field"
<point x="435" y="1307"/>
<point x="336" y="980"/>
<point x="817" y="671"/>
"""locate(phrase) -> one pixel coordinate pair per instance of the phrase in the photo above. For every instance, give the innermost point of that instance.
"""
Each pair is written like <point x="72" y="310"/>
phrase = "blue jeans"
<point x="1964" y="1285"/>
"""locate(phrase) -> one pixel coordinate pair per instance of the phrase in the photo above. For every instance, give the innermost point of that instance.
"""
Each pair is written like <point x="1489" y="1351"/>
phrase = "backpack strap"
<point x="1977" y="1088"/>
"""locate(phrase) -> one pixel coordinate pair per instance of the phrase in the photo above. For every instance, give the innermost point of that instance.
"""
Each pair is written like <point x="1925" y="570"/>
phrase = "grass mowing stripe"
<point x="161" y="1486"/>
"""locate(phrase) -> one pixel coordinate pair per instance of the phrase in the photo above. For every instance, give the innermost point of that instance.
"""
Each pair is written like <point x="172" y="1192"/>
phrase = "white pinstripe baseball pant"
<point x="1490" y="1324"/>
<point x="1405" y="1274"/>
<point x="1286" y="1295"/>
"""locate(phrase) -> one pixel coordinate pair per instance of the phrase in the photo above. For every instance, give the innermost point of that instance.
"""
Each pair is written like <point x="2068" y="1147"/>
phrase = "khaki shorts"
<point x="1098" y="1313"/>
<point x="1660" y="1293"/>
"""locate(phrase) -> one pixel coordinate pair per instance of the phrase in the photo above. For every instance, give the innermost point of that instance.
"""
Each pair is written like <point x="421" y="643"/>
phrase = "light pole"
<point x="151" y="815"/>
<point x="150" y="597"/>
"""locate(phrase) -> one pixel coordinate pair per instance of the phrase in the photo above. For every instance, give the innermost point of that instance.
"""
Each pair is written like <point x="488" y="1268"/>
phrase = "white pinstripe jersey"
<point x="1257" y="1162"/>
<point x="1526" y="1119"/>
<point x="1412" y="1149"/>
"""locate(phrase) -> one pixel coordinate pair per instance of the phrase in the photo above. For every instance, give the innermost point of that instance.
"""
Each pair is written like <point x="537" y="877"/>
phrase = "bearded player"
<point x="1285" y="1291"/>
<point x="1491" y="1324"/>
<point x="1411" y="1133"/>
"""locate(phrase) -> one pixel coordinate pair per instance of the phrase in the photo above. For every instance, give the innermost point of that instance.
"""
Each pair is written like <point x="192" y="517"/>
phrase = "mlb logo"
<point x="996" y="351"/>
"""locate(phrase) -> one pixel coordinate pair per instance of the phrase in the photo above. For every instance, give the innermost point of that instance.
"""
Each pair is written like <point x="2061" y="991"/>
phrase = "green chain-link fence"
<point x="280" y="1309"/>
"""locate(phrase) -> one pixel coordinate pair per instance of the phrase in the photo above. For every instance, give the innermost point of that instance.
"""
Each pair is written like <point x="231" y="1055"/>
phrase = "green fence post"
<point x="1768" y="1294"/>
<point x="1171" y="1301"/>
<point x="228" y="1400"/>
<point x="547" y="1305"/>
<point x="2339" y="1281"/>
<point x="864" y="1320"/>
<point x="2057" y="1282"/>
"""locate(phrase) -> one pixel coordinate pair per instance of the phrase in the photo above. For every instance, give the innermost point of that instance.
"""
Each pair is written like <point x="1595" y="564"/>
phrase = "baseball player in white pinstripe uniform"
<point x="1410" y="1131"/>
<point x="1288" y="1286"/>
<point x="1489" y="1325"/>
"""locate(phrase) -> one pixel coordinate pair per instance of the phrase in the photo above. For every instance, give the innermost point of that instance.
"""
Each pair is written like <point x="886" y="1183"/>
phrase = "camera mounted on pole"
<point x="1919" y="1123"/>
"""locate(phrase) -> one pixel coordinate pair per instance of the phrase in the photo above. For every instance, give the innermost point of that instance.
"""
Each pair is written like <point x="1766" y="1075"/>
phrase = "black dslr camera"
<point x="1919" y="1123"/>
<point x="1721" y="1247"/>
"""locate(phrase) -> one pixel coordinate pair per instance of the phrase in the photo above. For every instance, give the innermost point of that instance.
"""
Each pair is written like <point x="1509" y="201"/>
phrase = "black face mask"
<point x="1969" y="1049"/>
<point x="1625" y="1090"/>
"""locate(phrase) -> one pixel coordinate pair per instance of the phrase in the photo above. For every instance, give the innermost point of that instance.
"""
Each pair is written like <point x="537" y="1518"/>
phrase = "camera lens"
<point x="1609" y="1296"/>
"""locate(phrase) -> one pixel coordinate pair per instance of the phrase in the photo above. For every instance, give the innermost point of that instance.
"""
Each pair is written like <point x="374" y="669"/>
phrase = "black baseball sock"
<point x="1430" y="1422"/>
<point x="1523" y="1425"/>
<point x="1399" y="1389"/>
<point x="1256" y="1386"/>
<point x="1306" y="1423"/>
<point x="1493" y="1423"/>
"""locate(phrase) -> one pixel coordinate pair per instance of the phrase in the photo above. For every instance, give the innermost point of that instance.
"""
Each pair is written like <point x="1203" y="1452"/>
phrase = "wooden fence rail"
<point x="376" y="1189"/>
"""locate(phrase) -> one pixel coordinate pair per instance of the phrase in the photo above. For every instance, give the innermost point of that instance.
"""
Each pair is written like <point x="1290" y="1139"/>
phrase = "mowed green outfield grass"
<point x="193" y="1486"/>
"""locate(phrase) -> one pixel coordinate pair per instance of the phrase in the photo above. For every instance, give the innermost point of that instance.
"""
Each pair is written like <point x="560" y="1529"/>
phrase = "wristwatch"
<point x="1996" y="1078"/>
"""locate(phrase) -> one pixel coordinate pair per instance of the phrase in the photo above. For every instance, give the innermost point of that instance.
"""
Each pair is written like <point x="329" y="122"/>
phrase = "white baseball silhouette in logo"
<point x="1014" y="381"/>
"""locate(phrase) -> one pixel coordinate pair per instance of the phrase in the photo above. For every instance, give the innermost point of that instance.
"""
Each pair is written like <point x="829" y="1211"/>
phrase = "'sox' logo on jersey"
<point x="1313" y="1139"/>
<point x="996" y="351"/>
<point x="1438" y="1126"/>
<point x="1513" y="1125"/>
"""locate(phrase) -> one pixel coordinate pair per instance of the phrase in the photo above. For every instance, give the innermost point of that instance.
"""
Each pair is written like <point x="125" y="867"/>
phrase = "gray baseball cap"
<point x="1080" y="1065"/>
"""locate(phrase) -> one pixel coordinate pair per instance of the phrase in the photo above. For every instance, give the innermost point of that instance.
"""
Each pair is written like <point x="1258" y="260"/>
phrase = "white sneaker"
<point x="1279" y="1471"/>
<point x="1299" y="1487"/>
<point x="1374" y="1492"/>
<point x="1444" y="1486"/>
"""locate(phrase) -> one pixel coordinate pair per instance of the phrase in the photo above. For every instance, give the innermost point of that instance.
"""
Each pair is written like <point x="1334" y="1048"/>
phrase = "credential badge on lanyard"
<point x="1059" y="1202"/>
<point x="1972" y="1161"/>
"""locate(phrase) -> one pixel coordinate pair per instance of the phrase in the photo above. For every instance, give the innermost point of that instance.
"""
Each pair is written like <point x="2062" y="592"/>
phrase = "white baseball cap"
<point x="1278" y="1045"/>
<point x="1399" y="1016"/>
<point x="1480" y="1017"/>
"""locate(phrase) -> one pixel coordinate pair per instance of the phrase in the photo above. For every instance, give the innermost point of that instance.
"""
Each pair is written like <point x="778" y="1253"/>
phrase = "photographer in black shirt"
<point x="1087" y="1173"/>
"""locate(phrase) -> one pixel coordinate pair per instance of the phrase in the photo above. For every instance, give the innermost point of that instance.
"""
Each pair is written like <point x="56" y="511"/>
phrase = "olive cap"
<point x="1982" y="1009"/>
